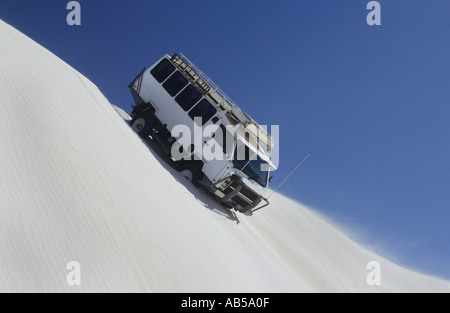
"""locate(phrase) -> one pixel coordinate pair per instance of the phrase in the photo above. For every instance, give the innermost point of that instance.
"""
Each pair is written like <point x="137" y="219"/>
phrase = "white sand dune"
<point x="76" y="184"/>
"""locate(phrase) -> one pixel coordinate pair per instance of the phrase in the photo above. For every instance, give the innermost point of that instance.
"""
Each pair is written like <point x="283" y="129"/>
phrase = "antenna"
<point x="289" y="175"/>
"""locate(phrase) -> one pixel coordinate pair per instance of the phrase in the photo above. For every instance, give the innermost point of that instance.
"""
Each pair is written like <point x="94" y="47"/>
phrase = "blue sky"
<point x="370" y="103"/>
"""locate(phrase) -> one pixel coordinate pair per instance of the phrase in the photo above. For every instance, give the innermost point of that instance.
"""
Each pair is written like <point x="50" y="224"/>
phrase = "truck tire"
<point x="142" y="124"/>
<point x="191" y="172"/>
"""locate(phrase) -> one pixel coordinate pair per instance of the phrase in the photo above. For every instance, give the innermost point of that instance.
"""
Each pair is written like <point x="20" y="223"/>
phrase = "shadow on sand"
<point x="203" y="197"/>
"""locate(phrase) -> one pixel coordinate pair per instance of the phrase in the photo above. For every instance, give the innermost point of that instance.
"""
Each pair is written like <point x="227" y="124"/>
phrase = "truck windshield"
<point x="252" y="165"/>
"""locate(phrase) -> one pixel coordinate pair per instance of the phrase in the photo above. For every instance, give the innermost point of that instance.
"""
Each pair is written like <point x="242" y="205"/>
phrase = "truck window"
<point x="188" y="97"/>
<point x="203" y="109"/>
<point x="175" y="83"/>
<point x="162" y="70"/>
<point x="252" y="165"/>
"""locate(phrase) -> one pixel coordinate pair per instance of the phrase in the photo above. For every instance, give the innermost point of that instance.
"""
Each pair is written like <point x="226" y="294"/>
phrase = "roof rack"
<point x="207" y="87"/>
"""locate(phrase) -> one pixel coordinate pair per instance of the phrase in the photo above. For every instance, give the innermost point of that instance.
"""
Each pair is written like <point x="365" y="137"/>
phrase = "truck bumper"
<point x="234" y="193"/>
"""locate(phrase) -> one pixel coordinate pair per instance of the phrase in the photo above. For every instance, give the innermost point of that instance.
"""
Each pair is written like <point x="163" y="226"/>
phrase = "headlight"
<point x="225" y="183"/>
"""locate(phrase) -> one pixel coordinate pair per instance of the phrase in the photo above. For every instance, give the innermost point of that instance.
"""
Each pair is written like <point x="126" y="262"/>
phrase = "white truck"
<point x="174" y="92"/>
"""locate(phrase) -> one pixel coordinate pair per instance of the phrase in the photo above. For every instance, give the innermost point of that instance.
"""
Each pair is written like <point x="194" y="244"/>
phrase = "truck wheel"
<point x="191" y="172"/>
<point x="141" y="124"/>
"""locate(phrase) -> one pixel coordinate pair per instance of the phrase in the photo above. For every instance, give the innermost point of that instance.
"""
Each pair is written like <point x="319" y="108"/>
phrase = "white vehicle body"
<point x="174" y="92"/>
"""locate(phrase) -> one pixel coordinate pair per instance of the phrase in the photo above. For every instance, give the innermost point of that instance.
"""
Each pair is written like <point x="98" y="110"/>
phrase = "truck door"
<point x="222" y="140"/>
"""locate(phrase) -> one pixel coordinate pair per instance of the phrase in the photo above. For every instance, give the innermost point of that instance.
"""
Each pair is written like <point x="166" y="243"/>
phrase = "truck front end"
<point x="243" y="186"/>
